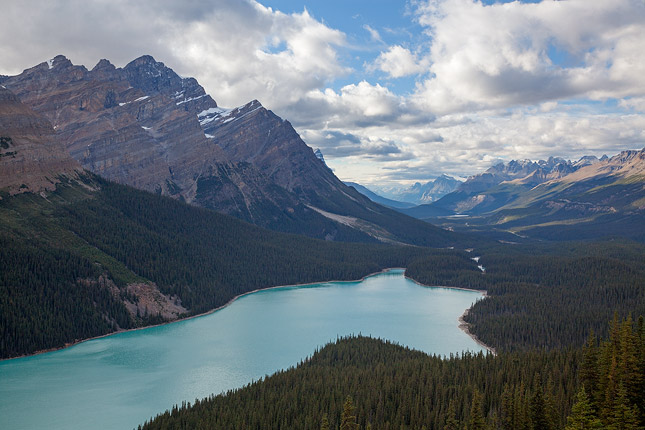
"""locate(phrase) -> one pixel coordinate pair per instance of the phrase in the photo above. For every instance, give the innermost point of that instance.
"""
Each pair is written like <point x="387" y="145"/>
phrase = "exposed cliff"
<point x="31" y="157"/>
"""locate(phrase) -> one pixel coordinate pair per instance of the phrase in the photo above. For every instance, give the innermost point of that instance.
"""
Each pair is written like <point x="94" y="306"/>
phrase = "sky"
<point x="392" y="92"/>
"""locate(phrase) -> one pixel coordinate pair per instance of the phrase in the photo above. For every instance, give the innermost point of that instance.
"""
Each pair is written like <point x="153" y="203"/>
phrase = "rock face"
<point x="145" y="126"/>
<point x="116" y="129"/>
<point x="32" y="159"/>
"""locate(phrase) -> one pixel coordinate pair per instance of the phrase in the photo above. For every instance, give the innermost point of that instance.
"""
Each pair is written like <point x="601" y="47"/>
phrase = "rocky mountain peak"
<point x="586" y="161"/>
<point x="153" y="77"/>
<point x="59" y="62"/>
<point x="318" y="153"/>
<point x="104" y="64"/>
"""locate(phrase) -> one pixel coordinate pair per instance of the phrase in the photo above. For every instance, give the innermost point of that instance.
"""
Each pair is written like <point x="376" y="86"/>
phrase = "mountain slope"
<point x="503" y="183"/>
<point x="145" y="126"/>
<point x="378" y="199"/>
<point x="419" y="193"/>
<point x="31" y="157"/>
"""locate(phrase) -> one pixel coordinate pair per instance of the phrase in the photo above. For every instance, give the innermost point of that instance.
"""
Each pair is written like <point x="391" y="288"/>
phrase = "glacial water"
<point x="119" y="381"/>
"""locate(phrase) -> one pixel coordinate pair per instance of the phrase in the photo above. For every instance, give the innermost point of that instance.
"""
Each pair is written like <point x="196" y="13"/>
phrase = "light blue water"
<point x="119" y="381"/>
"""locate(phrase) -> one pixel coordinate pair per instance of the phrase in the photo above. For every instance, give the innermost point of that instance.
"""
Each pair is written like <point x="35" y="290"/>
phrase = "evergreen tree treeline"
<point x="548" y="295"/>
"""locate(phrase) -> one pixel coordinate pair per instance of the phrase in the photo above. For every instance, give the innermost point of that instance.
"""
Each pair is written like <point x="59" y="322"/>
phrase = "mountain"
<point x="145" y="126"/>
<point x="378" y="199"/>
<point x="419" y="193"/>
<point x="32" y="159"/>
<point x="318" y="153"/>
<point x="596" y="198"/>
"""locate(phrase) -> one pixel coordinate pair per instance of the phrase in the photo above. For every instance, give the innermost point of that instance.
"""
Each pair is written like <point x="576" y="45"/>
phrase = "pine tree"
<point x="451" y="418"/>
<point x="324" y="425"/>
<point x="538" y="407"/>
<point x="589" y="365"/>
<point x="477" y="420"/>
<point x="628" y="359"/>
<point x="623" y="416"/>
<point x="582" y="414"/>
<point x="507" y="410"/>
<point x="348" y="417"/>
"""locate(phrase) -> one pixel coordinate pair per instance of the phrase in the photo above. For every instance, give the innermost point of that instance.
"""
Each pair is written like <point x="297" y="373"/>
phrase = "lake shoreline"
<point x="462" y="324"/>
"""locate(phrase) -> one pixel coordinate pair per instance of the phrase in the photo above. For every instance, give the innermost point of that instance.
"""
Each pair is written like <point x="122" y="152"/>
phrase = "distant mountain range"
<point x="419" y="193"/>
<point x="377" y="198"/>
<point x="553" y="199"/>
<point x="145" y="126"/>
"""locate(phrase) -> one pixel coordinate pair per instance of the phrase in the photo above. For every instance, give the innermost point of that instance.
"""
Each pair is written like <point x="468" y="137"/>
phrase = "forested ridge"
<point x="392" y="387"/>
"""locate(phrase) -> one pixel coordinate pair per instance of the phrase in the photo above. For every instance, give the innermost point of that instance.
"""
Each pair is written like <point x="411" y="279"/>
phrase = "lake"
<point x="119" y="381"/>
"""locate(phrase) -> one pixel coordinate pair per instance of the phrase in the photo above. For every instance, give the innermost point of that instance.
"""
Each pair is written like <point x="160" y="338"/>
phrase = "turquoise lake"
<point x="119" y="381"/>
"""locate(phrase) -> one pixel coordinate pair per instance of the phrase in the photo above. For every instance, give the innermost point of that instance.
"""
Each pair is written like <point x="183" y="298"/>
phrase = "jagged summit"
<point x="103" y="64"/>
<point x="58" y="62"/>
<point x="318" y="153"/>
<point x="153" y="77"/>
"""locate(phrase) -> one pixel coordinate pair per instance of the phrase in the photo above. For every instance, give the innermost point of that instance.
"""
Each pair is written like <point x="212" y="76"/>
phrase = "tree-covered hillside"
<point x="543" y="295"/>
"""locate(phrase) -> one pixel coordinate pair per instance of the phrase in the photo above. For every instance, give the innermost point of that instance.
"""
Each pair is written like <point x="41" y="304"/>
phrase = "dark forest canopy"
<point x="548" y="295"/>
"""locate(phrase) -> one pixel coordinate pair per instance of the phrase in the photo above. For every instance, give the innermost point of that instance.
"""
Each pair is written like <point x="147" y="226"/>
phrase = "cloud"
<point x="238" y="50"/>
<point x="335" y="143"/>
<point x="504" y="55"/>
<point x="354" y="105"/>
<point x="398" y="62"/>
<point x="376" y="37"/>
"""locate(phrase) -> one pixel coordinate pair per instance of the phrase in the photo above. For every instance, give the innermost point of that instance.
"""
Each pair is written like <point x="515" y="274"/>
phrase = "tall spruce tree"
<point x="477" y="420"/>
<point x="451" y="418"/>
<point x="539" y="418"/>
<point x="324" y="425"/>
<point x="348" y="417"/>
<point x="582" y="414"/>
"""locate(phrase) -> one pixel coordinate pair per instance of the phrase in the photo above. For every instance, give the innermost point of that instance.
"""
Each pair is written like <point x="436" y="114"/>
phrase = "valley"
<point x="130" y="199"/>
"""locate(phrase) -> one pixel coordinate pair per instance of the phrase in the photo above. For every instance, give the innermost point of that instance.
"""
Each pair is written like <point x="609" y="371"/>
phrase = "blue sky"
<point x="392" y="92"/>
<point x="370" y="26"/>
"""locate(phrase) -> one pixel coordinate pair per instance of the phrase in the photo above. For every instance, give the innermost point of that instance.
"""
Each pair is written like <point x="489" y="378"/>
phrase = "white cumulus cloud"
<point x="398" y="62"/>
<point x="503" y="55"/>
